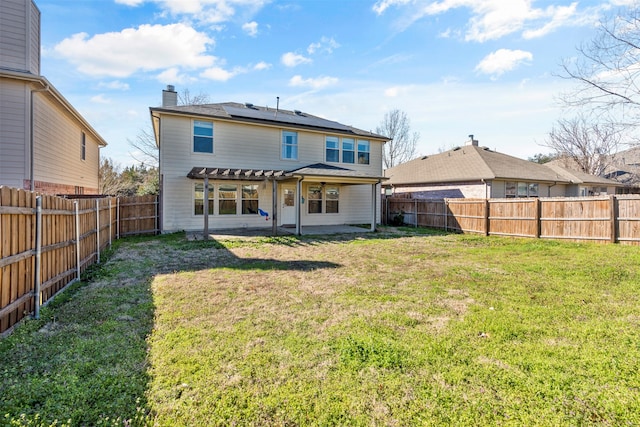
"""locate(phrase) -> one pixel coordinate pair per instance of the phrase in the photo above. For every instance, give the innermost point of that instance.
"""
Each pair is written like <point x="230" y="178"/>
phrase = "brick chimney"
<point x="169" y="96"/>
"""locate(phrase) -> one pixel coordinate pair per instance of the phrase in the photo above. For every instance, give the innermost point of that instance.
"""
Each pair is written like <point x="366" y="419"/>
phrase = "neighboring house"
<point x="625" y="168"/>
<point x="45" y="144"/>
<point x="262" y="167"/>
<point x="477" y="172"/>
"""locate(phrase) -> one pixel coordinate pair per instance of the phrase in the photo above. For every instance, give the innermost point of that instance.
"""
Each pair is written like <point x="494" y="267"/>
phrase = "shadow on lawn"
<point x="85" y="361"/>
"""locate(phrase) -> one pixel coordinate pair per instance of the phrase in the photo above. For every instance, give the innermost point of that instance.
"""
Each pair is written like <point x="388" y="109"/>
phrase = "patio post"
<point x="274" y="208"/>
<point x="299" y="207"/>
<point x="205" y="207"/>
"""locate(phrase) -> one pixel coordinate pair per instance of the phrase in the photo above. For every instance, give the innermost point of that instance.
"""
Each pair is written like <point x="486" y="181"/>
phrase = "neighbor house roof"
<point x="249" y="113"/>
<point x="578" y="177"/>
<point x="473" y="163"/>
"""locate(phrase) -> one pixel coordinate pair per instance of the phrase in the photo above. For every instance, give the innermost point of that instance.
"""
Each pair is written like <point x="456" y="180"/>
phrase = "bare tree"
<point x="607" y="71"/>
<point x="145" y="141"/>
<point x="185" y="98"/>
<point x="401" y="146"/>
<point x="586" y="144"/>
<point x="146" y="148"/>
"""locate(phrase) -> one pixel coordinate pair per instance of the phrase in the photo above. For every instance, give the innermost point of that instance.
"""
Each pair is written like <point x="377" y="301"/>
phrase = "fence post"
<point x="77" y="238"/>
<point x="98" y="230"/>
<point x="37" y="267"/>
<point x="118" y="218"/>
<point x="613" y="208"/>
<point x="415" y="215"/>
<point x="446" y="212"/>
<point x="486" y="217"/>
<point x="386" y="211"/>
<point x="537" y="215"/>
<point x="110" y="220"/>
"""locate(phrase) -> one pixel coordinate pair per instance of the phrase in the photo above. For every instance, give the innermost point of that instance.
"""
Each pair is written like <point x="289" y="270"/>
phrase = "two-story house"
<point x="234" y="165"/>
<point x="45" y="144"/>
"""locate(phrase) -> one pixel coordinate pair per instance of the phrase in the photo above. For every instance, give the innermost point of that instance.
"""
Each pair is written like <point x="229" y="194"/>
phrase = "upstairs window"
<point x="202" y="137"/>
<point x="83" y="147"/>
<point x="348" y="147"/>
<point x="332" y="145"/>
<point x="363" y="152"/>
<point x="289" y="145"/>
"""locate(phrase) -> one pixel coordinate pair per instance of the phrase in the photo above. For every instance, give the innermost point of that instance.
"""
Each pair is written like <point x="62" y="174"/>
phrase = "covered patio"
<point x="318" y="174"/>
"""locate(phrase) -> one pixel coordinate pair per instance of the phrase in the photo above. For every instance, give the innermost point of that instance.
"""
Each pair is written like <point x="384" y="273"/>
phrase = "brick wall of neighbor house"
<point x="467" y="190"/>
<point x="53" y="188"/>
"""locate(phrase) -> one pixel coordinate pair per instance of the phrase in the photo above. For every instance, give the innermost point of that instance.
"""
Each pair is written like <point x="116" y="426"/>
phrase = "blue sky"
<point x="456" y="67"/>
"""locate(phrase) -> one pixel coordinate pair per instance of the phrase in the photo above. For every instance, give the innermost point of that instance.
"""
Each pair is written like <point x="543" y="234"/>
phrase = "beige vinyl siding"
<point x="20" y="36"/>
<point x="251" y="147"/>
<point x="14" y="136"/>
<point x="57" y="142"/>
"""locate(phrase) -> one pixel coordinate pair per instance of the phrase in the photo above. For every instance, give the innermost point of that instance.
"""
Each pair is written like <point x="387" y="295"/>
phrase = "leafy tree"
<point x="542" y="158"/>
<point x="401" y="146"/>
<point x="133" y="180"/>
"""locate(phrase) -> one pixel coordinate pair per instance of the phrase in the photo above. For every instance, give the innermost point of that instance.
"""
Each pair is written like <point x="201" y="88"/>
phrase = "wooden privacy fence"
<point x="47" y="242"/>
<point x="614" y="219"/>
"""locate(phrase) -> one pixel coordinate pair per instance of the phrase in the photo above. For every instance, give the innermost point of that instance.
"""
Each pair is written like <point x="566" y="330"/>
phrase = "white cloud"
<point x="251" y="28"/>
<point x="208" y="11"/>
<point x="130" y="2"/>
<point x="100" y="99"/>
<point x="291" y="59"/>
<point x="116" y="85"/>
<point x="493" y="19"/>
<point x="219" y="74"/>
<point x="173" y="76"/>
<point x="146" y="48"/>
<point x="502" y="60"/>
<point x="380" y="6"/>
<point x="313" y="83"/>
<point x="325" y="45"/>
<point x="262" y="66"/>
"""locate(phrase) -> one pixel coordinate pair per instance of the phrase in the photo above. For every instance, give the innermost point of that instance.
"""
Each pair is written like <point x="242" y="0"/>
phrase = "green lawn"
<point x="381" y="329"/>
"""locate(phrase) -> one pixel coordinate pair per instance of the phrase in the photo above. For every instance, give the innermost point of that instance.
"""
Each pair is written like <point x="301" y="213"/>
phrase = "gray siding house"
<point x="232" y="165"/>
<point x="478" y="172"/>
<point x="45" y="144"/>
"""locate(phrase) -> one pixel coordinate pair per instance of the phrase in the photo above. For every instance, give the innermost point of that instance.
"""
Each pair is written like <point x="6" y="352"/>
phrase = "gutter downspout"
<point x="31" y="139"/>
<point x="549" y="188"/>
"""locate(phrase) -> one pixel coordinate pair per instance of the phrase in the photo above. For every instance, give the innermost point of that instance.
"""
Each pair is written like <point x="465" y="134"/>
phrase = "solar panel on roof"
<point x="284" y="117"/>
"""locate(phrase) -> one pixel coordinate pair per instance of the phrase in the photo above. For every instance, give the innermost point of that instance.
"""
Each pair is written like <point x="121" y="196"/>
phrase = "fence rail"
<point x="47" y="242"/>
<point x="614" y="219"/>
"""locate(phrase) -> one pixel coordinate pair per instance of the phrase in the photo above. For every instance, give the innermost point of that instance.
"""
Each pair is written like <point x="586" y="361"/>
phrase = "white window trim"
<point x="213" y="138"/>
<point x="282" y="144"/>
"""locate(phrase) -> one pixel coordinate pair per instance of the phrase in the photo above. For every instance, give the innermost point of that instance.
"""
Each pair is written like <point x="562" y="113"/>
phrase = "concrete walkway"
<point x="281" y="231"/>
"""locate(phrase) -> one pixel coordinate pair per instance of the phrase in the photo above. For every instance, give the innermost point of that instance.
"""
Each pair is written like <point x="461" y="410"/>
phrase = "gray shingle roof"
<point x="250" y="113"/>
<point x="472" y="163"/>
